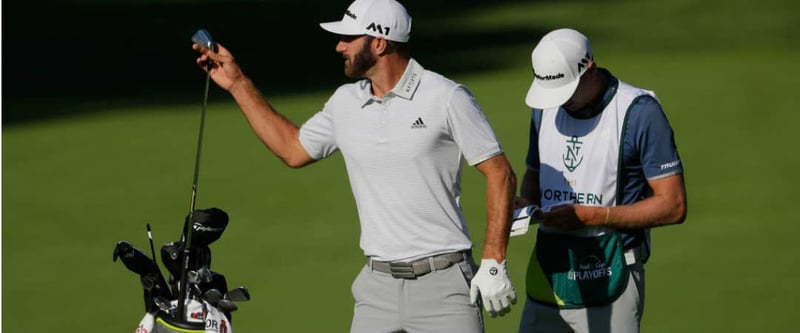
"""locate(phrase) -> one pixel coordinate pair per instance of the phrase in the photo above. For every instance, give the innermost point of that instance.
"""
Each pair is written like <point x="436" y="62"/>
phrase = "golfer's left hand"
<point x="494" y="287"/>
<point x="224" y="69"/>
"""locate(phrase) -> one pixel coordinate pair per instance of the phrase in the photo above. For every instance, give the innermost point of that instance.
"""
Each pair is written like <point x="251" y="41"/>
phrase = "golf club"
<point x="152" y="249"/>
<point x="238" y="294"/>
<point x="213" y="296"/>
<point x="227" y="306"/>
<point x="202" y="38"/>
<point x="163" y="304"/>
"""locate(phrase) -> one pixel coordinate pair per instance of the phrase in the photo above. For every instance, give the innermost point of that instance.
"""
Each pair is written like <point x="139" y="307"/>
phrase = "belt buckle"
<point x="402" y="270"/>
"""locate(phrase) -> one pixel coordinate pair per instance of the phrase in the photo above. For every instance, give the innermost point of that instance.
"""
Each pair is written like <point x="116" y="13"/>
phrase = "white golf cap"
<point x="559" y="60"/>
<point x="378" y="18"/>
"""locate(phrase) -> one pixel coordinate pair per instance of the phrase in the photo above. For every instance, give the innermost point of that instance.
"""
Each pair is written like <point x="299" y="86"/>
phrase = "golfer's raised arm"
<point x="278" y="133"/>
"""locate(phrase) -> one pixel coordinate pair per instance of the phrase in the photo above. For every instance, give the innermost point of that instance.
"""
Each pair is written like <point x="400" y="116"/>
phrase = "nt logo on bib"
<point x="571" y="158"/>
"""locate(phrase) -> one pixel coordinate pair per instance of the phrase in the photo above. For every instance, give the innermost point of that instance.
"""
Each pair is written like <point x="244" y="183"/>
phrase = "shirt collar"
<point x="409" y="83"/>
<point x="405" y="88"/>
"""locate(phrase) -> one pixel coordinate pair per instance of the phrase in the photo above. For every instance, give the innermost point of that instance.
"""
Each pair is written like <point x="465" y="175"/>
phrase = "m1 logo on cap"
<point x="377" y="28"/>
<point x="584" y="62"/>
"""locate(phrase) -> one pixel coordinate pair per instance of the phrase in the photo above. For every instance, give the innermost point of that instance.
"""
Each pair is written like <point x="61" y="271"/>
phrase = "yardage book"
<point x="523" y="218"/>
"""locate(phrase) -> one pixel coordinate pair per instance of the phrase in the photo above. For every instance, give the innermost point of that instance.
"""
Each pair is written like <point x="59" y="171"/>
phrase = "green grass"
<point x="726" y="73"/>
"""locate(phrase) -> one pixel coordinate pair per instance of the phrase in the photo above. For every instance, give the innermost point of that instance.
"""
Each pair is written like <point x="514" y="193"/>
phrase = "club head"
<point x="202" y="275"/>
<point x="203" y="38"/>
<point x="163" y="304"/>
<point x="226" y="305"/>
<point x="192" y="277"/>
<point x="195" y="289"/>
<point x="212" y="296"/>
<point x="238" y="294"/>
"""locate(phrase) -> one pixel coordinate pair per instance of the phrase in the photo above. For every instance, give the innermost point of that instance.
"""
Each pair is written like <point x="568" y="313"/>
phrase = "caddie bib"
<point x="580" y="164"/>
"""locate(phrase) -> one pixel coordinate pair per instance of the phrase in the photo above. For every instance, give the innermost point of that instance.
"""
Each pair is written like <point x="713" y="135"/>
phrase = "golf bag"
<point x="208" y="302"/>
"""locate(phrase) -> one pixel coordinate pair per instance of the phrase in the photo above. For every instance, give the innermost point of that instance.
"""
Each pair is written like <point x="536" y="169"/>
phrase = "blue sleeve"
<point x="532" y="160"/>
<point x="650" y="139"/>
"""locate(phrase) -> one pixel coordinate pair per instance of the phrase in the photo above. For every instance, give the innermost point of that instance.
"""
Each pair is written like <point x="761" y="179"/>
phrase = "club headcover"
<point x="172" y="257"/>
<point x="207" y="226"/>
<point x="149" y="275"/>
<point x="134" y="259"/>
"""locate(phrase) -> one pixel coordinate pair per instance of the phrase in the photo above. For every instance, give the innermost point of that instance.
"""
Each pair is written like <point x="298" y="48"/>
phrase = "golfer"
<point x="603" y="165"/>
<point x="404" y="133"/>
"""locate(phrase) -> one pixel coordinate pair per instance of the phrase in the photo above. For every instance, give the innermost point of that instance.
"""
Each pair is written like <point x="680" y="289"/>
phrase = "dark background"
<point x="58" y="56"/>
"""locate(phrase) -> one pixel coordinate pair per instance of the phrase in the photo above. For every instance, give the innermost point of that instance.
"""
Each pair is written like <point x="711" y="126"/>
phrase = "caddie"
<point x="603" y="165"/>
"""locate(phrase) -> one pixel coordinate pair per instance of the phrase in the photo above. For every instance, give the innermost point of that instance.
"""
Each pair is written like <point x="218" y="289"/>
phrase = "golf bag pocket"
<point x="583" y="271"/>
<point x="165" y="325"/>
<point x="200" y="318"/>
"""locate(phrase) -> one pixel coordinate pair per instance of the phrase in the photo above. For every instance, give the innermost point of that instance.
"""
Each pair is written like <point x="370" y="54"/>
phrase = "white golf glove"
<point x="494" y="286"/>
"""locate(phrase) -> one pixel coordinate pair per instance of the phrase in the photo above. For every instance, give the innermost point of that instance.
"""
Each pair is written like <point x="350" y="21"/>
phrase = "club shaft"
<point x="199" y="143"/>
<point x="152" y="248"/>
<point x="188" y="237"/>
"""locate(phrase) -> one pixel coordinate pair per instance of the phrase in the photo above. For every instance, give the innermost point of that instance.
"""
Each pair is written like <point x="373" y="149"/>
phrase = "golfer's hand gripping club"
<point x="494" y="287"/>
<point x="217" y="61"/>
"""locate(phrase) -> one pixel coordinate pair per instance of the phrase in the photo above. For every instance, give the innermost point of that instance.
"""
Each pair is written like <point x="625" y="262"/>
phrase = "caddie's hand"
<point x="520" y="202"/>
<point x="224" y="69"/>
<point x="564" y="217"/>
<point x="493" y="285"/>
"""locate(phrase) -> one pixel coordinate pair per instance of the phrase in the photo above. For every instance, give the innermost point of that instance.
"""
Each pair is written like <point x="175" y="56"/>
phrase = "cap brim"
<point x="340" y="28"/>
<point x="544" y="98"/>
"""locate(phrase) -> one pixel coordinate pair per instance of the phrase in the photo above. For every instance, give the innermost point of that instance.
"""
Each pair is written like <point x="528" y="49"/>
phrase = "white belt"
<point x="417" y="268"/>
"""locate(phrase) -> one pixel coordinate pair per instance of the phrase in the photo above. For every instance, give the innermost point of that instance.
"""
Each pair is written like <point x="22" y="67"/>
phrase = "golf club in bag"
<point x="208" y="303"/>
<point x="195" y="298"/>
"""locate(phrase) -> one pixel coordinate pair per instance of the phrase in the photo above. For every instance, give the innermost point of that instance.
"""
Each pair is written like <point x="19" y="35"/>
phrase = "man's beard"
<point x="361" y="63"/>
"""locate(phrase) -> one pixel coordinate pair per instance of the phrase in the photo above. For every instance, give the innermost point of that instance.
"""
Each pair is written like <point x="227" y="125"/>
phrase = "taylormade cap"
<point x="559" y="60"/>
<point x="378" y="18"/>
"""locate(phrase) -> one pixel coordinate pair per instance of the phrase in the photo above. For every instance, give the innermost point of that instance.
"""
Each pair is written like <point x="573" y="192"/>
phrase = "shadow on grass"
<point x="72" y="57"/>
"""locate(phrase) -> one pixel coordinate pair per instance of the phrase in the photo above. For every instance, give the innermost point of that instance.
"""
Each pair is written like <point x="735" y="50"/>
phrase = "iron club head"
<point x="238" y="294"/>
<point x="212" y="296"/>
<point x="203" y="38"/>
<point x="227" y="306"/>
<point x="163" y="304"/>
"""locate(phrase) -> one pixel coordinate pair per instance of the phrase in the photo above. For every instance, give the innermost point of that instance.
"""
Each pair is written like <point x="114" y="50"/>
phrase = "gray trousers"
<point x="435" y="302"/>
<point x="622" y="316"/>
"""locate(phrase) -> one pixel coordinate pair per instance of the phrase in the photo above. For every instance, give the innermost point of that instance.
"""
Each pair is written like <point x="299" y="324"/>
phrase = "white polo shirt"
<point x="404" y="154"/>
